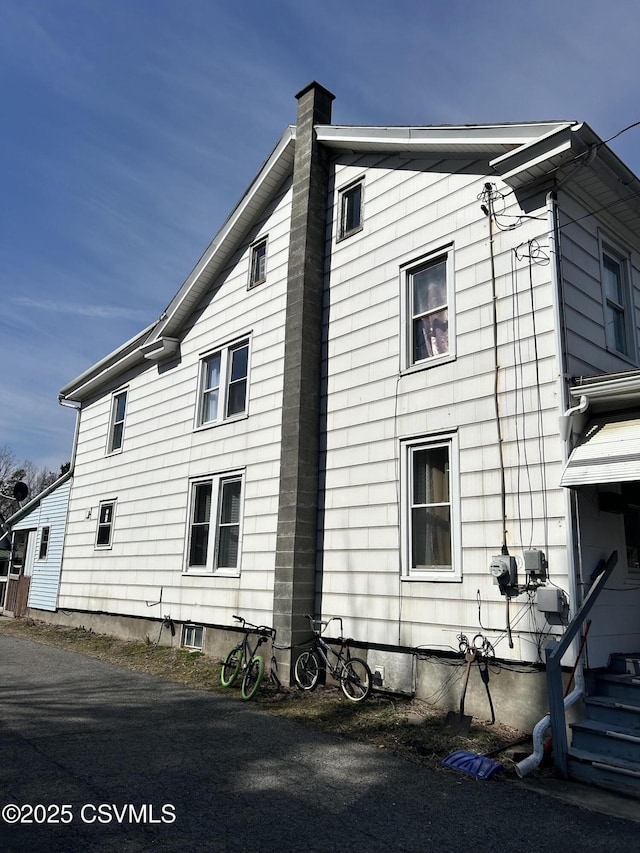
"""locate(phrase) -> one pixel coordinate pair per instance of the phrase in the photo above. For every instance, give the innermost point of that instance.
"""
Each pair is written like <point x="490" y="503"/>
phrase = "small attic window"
<point x="258" y="271"/>
<point x="350" y="210"/>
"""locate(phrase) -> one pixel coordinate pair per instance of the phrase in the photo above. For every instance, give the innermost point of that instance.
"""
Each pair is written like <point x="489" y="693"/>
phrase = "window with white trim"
<point x="616" y="300"/>
<point x="116" y="427"/>
<point x="193" y="636"/>
<point x="258" y="269"/>
<point x="350" y="204"/>
<point x="44" y="543"/>
<point x="430" y="510"/>
<point x="223" y="384"/>
<point x="106" y="517"/>
<point x="215" y="524"/>
<point x="430" y="316"/>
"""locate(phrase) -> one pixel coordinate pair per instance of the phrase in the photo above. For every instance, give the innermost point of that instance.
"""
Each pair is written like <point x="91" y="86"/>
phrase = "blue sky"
<point x="131" y="128"/>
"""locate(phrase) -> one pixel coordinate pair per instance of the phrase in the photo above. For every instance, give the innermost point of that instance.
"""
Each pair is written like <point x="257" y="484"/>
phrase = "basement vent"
<point x="393" y="671"/>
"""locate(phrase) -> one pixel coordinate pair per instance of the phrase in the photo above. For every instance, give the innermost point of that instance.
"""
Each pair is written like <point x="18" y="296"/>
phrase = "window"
<point x="224" y="384"/>
<point x="215" y="524"/>
<point x="430" y="512"/>
<point x="44" y="543"/>
<point x="429" y="297"/>
<point x="104" y="532"/>
<point x="350" y="210"/>
<point x="258" y="271"/>
<point x="615" y="287"/>
<point x="116" y="430"/>
<point x="193" y="636"/>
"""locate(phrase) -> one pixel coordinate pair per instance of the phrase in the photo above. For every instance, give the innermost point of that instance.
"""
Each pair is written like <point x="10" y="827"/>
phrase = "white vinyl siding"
<point x="377" y="403"/>
<point x="165" y="454"/>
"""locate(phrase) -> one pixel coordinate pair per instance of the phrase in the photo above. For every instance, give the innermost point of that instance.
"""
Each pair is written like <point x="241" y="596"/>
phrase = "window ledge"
<point x="213" y="424"/>
<point x="432" y="578"/>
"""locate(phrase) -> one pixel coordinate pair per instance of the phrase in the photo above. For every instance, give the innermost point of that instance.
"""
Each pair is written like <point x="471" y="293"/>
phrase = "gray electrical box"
<point x="552" y="601"/>
<point x="535" y="565"/>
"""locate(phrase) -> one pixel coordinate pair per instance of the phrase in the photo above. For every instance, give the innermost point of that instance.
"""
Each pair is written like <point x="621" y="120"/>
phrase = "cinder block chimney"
<point x="296" y="543"/>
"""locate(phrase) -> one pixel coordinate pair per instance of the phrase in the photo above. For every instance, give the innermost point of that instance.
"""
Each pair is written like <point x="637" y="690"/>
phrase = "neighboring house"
<point x="38" y="530"/>
<point x="351" y="407"/>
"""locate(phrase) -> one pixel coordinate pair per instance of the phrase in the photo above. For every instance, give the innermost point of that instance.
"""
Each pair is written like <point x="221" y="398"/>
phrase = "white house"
<point x="352" y="407"/>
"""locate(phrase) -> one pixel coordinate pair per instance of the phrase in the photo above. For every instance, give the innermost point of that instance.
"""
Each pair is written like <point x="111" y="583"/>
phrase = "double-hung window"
<point x="106" y="517"/>
<point x="350" y="201"/>
<point x="258" y="269"/>
<point x="116" y="428"/>
<point x="215" y="524"/>
<point x="429" y="309"/>
<point x="430" y="509"/>
<point x="616" y="298"/>
<point x="224" y="383"/>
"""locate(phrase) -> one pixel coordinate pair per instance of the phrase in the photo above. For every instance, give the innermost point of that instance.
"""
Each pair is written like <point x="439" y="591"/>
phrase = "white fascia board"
<point x="559" y="143"/>
<point x="437" y="137"/>
<point x="117" y="361"/>
<point x="270" y="176"/>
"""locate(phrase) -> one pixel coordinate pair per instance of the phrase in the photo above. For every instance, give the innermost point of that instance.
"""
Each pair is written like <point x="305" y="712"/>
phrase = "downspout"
<point x="531" y="762"/>
<point x="557" y="290"/>
<point x="77" y="407"/>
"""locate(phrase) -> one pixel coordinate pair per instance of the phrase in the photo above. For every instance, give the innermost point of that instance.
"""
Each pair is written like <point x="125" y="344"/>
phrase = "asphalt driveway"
<point x="97" y="758"/>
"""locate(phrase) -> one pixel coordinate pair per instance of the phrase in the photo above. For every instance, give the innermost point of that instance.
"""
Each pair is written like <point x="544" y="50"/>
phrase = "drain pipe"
<point x="531" y="762"/>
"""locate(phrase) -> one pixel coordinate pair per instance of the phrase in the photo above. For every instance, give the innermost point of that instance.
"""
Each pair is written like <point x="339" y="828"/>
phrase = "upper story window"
<point x="350" y="210"/>
<point x="116" y="428"/>
<point x="429" y="310"/>
<point x="615" y="271"/>
<point x="44" y="543"/>
<point x="430" y="511"/>
<point x="258" y="269"/>
<point x="223" y="383"/>
<point x="215" y="523"/>
<point x="106" y="517"/>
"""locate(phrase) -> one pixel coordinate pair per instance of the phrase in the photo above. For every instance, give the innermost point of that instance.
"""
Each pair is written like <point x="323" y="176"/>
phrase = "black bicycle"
<point x="353" y="674"/>
<point x="244" y="658"/>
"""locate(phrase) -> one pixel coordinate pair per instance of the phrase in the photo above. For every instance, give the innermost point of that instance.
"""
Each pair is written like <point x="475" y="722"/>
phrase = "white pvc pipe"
<point x="531" y="762"/>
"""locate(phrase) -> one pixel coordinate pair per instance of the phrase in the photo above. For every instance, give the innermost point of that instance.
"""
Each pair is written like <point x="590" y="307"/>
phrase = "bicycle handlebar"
<point x="322" y="623"/>
<point x="265" y="630"/>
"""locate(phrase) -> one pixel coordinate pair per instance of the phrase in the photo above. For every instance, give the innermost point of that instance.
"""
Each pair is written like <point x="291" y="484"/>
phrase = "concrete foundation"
<point x="519" y="695"/>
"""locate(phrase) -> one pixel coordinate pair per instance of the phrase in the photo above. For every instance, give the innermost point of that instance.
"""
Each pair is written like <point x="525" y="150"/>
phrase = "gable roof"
<point x="520" y="153"/>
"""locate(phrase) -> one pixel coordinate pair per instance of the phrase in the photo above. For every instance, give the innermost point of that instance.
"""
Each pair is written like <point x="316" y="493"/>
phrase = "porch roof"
<point x="608" y="452"/>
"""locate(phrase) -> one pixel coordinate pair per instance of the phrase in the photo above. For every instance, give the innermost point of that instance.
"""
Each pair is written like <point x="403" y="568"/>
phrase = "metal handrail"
<point x="555" y="653"/>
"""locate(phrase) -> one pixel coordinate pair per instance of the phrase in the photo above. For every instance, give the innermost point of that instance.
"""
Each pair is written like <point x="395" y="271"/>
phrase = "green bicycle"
<point x="244" y="658"/>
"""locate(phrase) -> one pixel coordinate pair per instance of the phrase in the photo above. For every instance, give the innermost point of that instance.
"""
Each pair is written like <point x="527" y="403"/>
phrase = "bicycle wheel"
<point x="231" y="667"/>
<point x="355" y="680"/>
<point x="307" y="671"/>
<point x="252" y="677"/>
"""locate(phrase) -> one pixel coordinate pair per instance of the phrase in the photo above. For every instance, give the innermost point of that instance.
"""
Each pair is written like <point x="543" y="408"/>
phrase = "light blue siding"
<point x="50" y="512"/>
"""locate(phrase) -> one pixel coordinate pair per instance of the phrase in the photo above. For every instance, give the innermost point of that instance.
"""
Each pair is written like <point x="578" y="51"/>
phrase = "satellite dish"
<point x="20" y="491"/>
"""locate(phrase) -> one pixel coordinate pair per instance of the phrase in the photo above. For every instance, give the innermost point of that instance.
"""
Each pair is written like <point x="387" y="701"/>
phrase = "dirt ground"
<point x="407" y="727"/>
